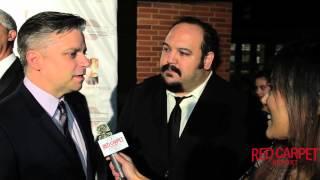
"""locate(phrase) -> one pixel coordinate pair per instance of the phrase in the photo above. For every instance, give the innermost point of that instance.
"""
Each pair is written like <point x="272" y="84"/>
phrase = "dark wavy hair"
<point x="296" y="76"/>
<point x="210" y="39"/>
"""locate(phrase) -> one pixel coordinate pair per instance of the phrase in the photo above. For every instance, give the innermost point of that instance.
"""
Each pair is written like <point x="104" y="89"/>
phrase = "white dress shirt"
<point x="6" y="63"/>
<point x="187" y="105"/>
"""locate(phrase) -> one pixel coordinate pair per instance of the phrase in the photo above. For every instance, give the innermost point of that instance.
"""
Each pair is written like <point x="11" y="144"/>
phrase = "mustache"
<point x="170" y="67"/>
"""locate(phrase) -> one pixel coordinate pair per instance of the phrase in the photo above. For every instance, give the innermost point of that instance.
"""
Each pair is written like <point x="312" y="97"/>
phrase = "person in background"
<point x="262" y="85"/>
<point x="45" y="130"/>
<point x="175" y="121"/>
<point x="258" y="115"/>
<point x="11" y="71"/>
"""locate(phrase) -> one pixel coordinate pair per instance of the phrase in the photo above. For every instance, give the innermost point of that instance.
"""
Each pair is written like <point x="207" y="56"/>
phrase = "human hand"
<point x="128" y="168"/>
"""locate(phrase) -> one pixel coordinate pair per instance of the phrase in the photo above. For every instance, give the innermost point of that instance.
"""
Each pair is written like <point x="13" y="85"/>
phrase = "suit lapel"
<point x="158" y="109"/>
<point x="163" y="120"/>
<point x="203" y="107"/>
<point x="45" y="121"/>
<point x="81" y="112"/>
<point x="160" y="104"/>
<point x="15" y="71"/>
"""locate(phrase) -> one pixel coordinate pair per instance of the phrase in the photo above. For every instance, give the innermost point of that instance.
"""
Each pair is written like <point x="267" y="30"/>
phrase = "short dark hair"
<point x="38" y="27"/>
<point x="265" y="73"/>
<point x="210" y="38"/>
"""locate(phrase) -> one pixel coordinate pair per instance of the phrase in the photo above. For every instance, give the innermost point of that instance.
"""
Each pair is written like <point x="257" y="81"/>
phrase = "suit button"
<point x="166" y="174"/>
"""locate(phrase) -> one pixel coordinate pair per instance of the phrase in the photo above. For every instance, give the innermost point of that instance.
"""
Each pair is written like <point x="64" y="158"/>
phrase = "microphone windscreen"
<point x="103" y="131"/>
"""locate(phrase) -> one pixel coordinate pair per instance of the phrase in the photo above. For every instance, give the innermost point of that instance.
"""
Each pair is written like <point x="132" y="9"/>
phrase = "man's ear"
<point x="208" y="61"/>
<point x="33" y="59"/>
<point x="12" y="34"/>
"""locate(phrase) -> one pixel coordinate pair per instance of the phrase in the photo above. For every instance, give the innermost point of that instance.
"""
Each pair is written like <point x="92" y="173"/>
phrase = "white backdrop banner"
<point x="101" y="39"/>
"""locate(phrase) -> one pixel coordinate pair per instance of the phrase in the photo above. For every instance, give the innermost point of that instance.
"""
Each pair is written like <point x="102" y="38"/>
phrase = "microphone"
<point x="111" y="144"/>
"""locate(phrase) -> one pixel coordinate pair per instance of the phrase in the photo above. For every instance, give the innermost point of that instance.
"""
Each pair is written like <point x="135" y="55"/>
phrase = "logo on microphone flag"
<point x="113" y="144"/>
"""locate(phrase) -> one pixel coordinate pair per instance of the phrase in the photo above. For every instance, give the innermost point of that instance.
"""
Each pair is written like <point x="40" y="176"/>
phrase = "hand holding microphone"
<point x="111" y="144"/>
<point x="128" y="167"/>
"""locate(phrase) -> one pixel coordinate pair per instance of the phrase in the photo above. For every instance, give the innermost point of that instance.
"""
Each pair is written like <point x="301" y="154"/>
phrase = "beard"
<point x="174" y="86"/>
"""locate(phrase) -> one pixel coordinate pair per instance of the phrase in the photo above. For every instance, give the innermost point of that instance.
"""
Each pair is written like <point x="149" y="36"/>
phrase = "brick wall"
<point x="154" y="20"/>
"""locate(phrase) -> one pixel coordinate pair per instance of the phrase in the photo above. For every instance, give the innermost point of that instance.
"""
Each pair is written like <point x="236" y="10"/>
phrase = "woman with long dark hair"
<point x="295" y="115"/>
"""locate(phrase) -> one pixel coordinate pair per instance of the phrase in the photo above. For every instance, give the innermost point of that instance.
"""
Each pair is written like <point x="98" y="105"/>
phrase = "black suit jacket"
<point x="11" y="79"/>
<point x="32" y="147"/>
<point x="212" y="145"/>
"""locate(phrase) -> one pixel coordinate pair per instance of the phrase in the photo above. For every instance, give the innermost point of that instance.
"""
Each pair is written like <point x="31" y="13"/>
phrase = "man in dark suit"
<point x="45" y="130"/>
<point x="211" y="135"/>
<point x="11" y="71"/>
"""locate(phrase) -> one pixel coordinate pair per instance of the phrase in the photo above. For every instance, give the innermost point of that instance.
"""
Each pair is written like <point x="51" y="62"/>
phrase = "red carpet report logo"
<point x="284" y="155"/>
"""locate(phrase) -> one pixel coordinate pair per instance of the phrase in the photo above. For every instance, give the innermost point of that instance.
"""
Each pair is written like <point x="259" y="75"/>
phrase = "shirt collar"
<point x="197" y="91"/>
<point x="47" y="101"/>
<point x="6" y="63"/>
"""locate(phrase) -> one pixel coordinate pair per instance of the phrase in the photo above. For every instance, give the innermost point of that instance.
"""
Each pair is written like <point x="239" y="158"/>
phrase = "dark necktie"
<point x="63" y="120"/>
<point x="174" y="125"/>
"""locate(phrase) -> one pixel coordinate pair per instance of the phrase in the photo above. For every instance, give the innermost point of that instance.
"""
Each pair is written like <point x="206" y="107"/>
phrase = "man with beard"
<point x="187" y="116"/>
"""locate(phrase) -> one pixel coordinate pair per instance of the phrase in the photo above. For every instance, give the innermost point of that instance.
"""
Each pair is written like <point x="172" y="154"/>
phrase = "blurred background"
<point x="250" y="32"/>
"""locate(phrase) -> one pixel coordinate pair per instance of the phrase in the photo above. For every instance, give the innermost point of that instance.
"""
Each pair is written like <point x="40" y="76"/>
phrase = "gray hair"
<point x="7" y="21"/>
<point x="39" y="27"/>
